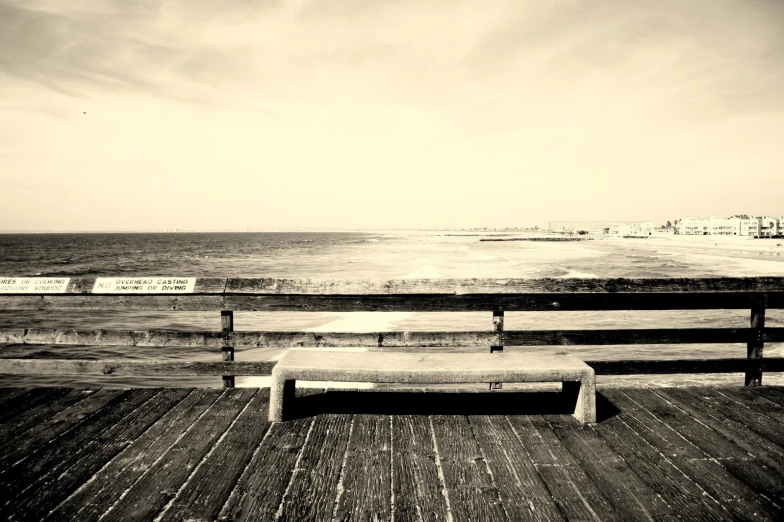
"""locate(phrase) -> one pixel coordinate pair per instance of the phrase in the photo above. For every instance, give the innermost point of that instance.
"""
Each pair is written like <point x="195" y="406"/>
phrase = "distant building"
<point x="633" y="229"/>
<point x="734" y="226"/>
<point x="768" y="226"/>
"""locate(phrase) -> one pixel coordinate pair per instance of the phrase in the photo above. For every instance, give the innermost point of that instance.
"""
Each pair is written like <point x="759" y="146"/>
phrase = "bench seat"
<point x="432" y="368"/>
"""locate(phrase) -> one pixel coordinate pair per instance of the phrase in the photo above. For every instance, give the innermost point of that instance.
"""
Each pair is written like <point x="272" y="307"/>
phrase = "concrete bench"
<point x="577" y="377"/>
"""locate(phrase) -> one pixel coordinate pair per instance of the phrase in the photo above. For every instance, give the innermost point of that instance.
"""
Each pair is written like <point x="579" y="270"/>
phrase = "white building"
<point x="694" y="226"/>
<point x="636" y="229"/>
<point x="734" y="226"/>
<point x="768" y="226"/>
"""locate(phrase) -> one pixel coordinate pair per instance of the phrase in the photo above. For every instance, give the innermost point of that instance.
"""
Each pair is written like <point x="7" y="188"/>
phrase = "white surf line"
<point x="95" y="475"/>
<point x="234" y="490"/>
<point x="391" y="469"/>
<point x="487" y="468"/>
<point x="339" y="487"/>
<point x="163" y="454"/>
<point x="294" y="472"/>
<point x="441" y="477"/>
<point x="202" y="461"/>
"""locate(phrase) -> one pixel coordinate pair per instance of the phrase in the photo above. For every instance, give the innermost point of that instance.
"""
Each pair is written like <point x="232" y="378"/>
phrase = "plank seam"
<point x="751" y="410"/>
<point x="440" y="469"/>
<point x="687" y="441"/>
<point x="487" y="468"/>
<point x="719" y="460"/>
<point x="392" y="507"/>
<point x="294" y="471"/>
<point x="536" y="467"/>
<point x="775" y="449"/>
<point x="68" y="431"/>
<point x="161" y="456"/>
<point x="234" y="490"/>
<point x="98" y="472"/>
<point x="87" y="393"/>
<point x="339" y="486"/>
<point x="168" y="506"/>
<point x="590" y="474"/>
<point x="34" y="484"/>
<point x="664" y="457"/>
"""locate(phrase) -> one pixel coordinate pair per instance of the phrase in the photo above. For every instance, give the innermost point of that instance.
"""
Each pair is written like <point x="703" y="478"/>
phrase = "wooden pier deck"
<point x="209" y="454"/>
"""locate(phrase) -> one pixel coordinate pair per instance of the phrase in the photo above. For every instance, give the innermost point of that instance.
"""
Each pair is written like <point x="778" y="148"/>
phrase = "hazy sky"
<point x="360" y="113"/>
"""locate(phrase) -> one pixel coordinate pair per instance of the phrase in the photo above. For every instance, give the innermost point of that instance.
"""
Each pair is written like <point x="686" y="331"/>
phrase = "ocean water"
<point x="378" y="256"/>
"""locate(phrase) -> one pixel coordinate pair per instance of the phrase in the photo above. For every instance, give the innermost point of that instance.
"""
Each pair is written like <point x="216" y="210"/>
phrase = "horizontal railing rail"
<point x="387" y="339"/>
<point x="498" y="296"/>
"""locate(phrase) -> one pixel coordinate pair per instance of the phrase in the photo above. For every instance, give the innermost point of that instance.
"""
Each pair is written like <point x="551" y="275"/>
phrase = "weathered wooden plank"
<point x="59" y="336"/>
<point x="753" y="420"/>
<point x="654" y="467"/>
<point x="470" y="488"/>
<point x="211" y="339"/>
<point x="203" y="285"/>
<point x="85" y="285"/>
<point x="53" y="478"/>
<point x="365" y="491"/>
<point x="104" y="489"/>
<point x="160" y="483"/>
<point x="131" y="367"/>
<point x="9" y="393"/>
<point x="522" y="491"/>
<point x="630" y="496"/>
<point x="576" y="495"/>
<point x="628" y="336"/>
<point x="772" y="394"/>
<point x="390" y="303"/>
<point x="641" y="367"/>
<point x="58" y="402"/>
<point x="487" y="302"/>
<point x="19" y="405"/>
<point x="29" y="443"/>
<point x="260" y="489"/>
<point x="206" y="491"/>
<point x="313" y="489"/>
<point x="760" y="448"/>
<point x="748" y="399"/>
<point x="463" y="286"/>
<point x="712" y="477"/>
<point x="91" y="302"/>
<point x="242" y="339"/>
<point x="417" y="490"/>
<point x="773" y="335"/>
<point x="733" y="458"/>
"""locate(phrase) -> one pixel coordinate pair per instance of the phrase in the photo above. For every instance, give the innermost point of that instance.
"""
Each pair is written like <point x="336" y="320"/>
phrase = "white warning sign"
<point x="144" y="285"/>
<point x="33" y="285"/>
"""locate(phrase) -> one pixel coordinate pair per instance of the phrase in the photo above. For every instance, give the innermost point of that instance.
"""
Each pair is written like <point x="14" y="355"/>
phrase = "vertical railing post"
<point x="756" y="344"/>
<point x="227" y="326"/>
<point x="498" y="327"/>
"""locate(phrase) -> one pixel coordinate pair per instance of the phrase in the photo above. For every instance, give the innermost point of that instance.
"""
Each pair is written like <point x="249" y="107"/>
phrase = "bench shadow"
<point x="309" y="404"/>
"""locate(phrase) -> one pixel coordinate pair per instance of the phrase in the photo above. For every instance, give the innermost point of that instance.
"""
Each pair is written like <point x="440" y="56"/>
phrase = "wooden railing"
<point x="474" y="295"/>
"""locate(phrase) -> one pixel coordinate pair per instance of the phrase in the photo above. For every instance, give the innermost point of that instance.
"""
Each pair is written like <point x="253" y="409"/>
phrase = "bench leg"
<point x="281" y="396"/>
<point x="583" y="393"/>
